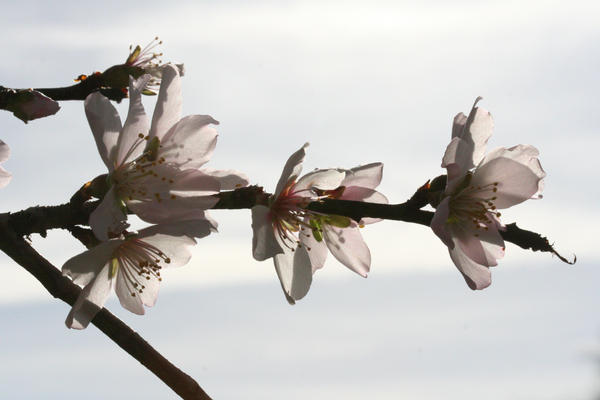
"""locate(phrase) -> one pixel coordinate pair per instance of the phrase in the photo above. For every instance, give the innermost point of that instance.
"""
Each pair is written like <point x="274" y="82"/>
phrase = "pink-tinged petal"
<point x="366" y="176"/>
<point x="439" y="223"/>
<point x="190" y="142"/>
<point x="193" y="183"/>
<point x="193" y="228"/>
<point x="85" y="266"/>
<point x="323" y="179"/>
<point x="168" y="104"/>
<point x="457" y="159"/>
<point x="291" y="170"/>
<point x="480" y="127"/>
<point x="264" y="243"/>
<point x="470" y="240"/>
<point x="228" y="179"/>
<point x="124" y="290"/>
<point x="467" y="147"/>
<point x="182" y="208"/>
<point x="129" y="145"/>
<point x="108" y="219"/>
<point x="146" y="297"/>
<point x="90" y="300"/>
<point x="476" y="275"/>
<point x="171" y="240"/>
<point x="4" y="151"/>
<point x="357" y="193"/>
<point x="348" y="246"/>
<point x="317" y="251"/>
<point x="5" y="177"/>
<point x="458" y="125"/>
<point x="294" y="272"/>
<point x="105" y="124"/>
<point x="517" y="181"/>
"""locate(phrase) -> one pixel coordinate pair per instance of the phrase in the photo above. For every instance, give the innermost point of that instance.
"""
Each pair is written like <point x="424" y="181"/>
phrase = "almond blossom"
<point x="154" y="168"/>
<point x="131" y="265"/>
<point x="467" y="218"/>
<point x="298" y="239"/>
<point x="5" y="176"/>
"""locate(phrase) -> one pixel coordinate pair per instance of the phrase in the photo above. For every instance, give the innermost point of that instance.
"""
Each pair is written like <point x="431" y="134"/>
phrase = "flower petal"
<point x="168" y="104"/>
<point x="348" y="246"/>
<point x="90" y="300"/>
<point x="172" y="240"/>
<point x="291" y="170"/>
<point x="190" y="142"/>
<point x="85" y="266"/>
<point x="5" y="177"/>
<point x="439" y="223"/>
<point x="228" y="179"/>
<point x="317" y="251"/>
<point x="367" y="176"/>
<point x="471" y="242"/>
<point x="129" y="145"/>
<point x="476" y="275"/>
<point x="105" y="124"/>
<point x="130" y="299"/>
<point x="4" y="151"/>
<point x="108" y="218"/>
<point x="194" y="228"/>
<point x="323" y="179"/>
<point x="458" y="124"/>
<point x="480" y="127"/>
<point x="264" y="243"/>
<point x="467" y="147"/>
<point x="294" y="272"/>
<point x="518" y="172"/>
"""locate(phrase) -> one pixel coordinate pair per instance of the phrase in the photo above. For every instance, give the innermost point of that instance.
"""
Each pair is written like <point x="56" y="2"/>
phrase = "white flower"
<point x="154" y="168"/>
<point x="131" y="265"/>
<point x="466" y="220"/>
<point x="298" y="239"/>
<point x="5" y="176"/>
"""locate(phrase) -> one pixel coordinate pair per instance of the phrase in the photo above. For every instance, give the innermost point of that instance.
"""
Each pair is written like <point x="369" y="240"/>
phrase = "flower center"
<point x="291" y="219"/>
<point x="138" y="261"/>
<point x="134" y="180"/>
<point x="474" y="203"/>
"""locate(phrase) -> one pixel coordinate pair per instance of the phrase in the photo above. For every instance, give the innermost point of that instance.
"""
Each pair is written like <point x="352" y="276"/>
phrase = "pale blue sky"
<point x="362" y="82"/>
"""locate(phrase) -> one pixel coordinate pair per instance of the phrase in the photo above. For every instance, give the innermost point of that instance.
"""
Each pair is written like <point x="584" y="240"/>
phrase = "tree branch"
<point x="77" y="212"/>
<point x="62" y="288"/>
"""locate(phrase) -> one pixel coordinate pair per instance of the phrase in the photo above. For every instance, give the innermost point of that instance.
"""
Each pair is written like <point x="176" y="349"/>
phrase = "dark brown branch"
<point x="404" y="212"/>
<point x="62" y="288"/>
<point x="65" y="216"/>
<point x="81" y="90"/>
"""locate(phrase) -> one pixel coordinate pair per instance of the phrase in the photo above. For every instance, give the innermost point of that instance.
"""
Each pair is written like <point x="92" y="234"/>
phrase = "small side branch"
<point x="407" y="213"/>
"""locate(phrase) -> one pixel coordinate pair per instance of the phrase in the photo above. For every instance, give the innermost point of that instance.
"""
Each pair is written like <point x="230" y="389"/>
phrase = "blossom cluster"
<point x="156" y="171"/>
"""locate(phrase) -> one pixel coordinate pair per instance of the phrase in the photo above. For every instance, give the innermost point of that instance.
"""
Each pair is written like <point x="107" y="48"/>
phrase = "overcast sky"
<point x="362" y="82"/>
